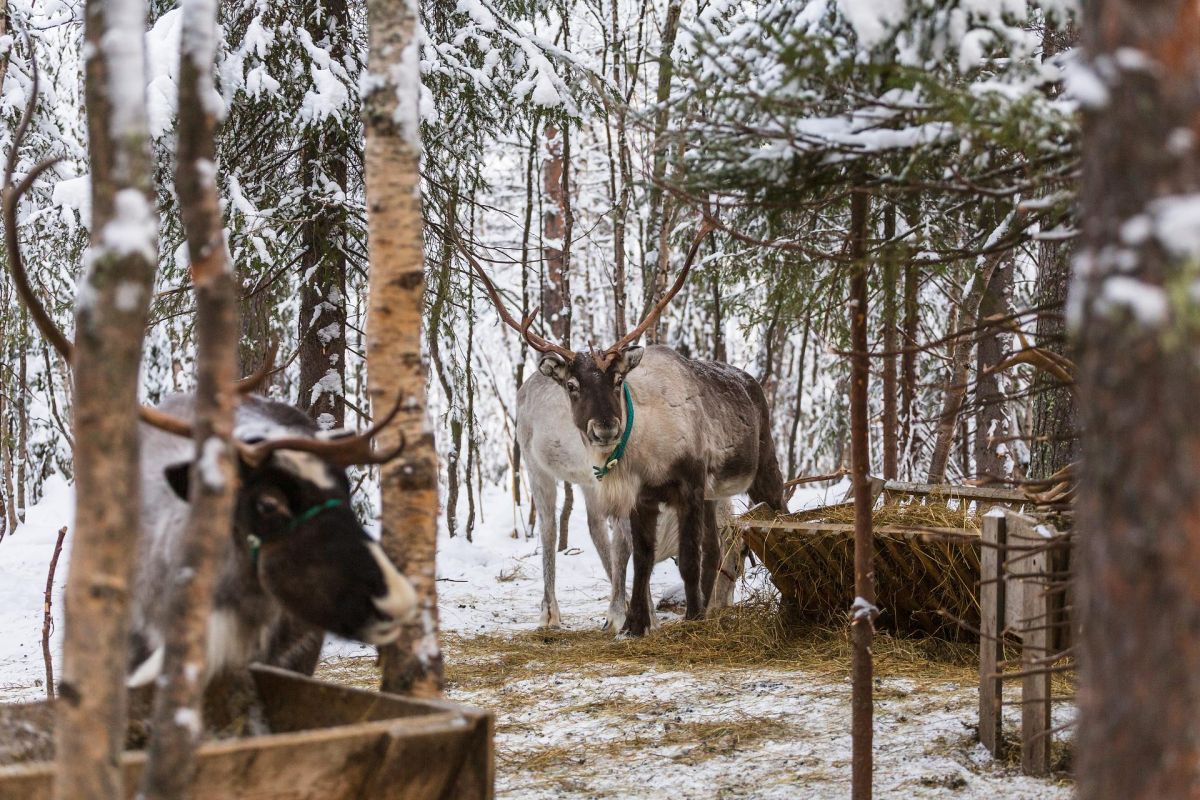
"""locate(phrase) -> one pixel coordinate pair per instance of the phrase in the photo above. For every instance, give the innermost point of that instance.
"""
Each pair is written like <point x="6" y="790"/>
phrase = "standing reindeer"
<point x="555" y="453"/>
<point x="679" y="432"/>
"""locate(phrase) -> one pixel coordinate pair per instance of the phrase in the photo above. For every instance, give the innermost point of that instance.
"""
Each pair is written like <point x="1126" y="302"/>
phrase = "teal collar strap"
<point x="619" y="453"/>
<point x="256" y="543"/>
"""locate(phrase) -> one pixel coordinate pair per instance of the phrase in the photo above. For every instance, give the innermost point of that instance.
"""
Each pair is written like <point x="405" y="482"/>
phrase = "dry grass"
<point x="744" y="636"/>
<point x="924" y="581"/>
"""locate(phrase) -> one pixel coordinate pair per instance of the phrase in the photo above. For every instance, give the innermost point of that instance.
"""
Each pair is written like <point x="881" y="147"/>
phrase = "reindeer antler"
<point x="345" y="451"/>
<point x="522" y="327"/>
<point x="707" y="226"/>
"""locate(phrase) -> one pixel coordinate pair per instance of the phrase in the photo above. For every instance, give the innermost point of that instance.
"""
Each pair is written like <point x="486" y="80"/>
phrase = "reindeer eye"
<point x="271" y="506"/>
<point x="573" y="387"/>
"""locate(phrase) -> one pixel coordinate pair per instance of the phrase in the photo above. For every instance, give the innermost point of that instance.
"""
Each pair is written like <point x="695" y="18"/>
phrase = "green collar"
<point x="619" y="453"/>
<point x="256" y="543"/>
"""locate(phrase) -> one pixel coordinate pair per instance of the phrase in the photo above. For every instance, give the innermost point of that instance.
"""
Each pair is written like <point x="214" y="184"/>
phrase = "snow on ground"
<point x="615" y="730"/>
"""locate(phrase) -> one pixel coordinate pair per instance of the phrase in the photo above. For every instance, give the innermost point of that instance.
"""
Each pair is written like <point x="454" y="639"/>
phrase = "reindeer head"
<point x="594" y="381"/>
<point x="595" y="386"/>
<point x="295" y="528"/>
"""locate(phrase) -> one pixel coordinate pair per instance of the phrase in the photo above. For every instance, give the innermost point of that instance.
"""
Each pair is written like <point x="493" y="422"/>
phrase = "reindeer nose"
<point x="399" y="603"/>
<point x="603" y="434"/>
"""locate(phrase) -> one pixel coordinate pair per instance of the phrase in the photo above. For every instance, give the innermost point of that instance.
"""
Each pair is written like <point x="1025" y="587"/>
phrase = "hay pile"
<point x="926" y="564"/>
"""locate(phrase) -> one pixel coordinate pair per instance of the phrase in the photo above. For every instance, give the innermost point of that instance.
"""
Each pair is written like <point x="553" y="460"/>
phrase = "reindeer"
<point x="297" y="563"/>
<point x="662" y="429"/>
<point x="555" y="453"/>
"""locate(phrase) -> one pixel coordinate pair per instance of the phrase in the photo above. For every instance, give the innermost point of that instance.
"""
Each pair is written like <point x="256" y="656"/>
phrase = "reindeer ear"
<point x="552" y="365"/>
<point x="178" y="478"/>
<point x="629" y="358"/>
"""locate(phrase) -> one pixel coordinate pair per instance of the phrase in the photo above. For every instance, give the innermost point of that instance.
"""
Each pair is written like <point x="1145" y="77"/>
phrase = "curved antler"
<point x="345" y="451"/>
<point x="602" y="359"/>
<point x="536" y="342"/>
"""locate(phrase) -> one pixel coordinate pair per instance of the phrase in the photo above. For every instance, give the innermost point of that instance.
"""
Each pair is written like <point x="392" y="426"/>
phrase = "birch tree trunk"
<point x="213" y="480"/>
<point x="408" y="486"/>
<point x="110" y="321"/>
<point x="1139" y="332"/>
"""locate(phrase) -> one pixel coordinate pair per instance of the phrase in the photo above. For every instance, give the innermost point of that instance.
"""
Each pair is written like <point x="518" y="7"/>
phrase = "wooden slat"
<point x="991" y="628"/>
<point x="1035" y="689"/>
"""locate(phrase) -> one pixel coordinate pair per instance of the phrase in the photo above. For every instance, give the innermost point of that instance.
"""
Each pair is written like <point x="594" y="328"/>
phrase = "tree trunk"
<point x="1139" y="496"/>
<point x="654" y="270"/>
<point x="956" y="379"/>
<point x="109" y="329"/>
<point x="891" y="427"/>
<point x="991" y="421"/>
<point x="556" y="305"/>
<point x="213" y="480"/>
<point x="22" y="391"/>
<point x="408" y="486"/>
<point x="522" y="345"/>
<point x="862" y="624"/>
<point x="909" y="442"/>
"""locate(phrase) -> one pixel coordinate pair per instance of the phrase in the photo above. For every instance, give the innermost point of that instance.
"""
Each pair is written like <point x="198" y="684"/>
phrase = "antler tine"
<point x="707" y="226"/>
<point x="536" y="342"/>
<point x="346" y="451"/>
<point x="253" y="381"/>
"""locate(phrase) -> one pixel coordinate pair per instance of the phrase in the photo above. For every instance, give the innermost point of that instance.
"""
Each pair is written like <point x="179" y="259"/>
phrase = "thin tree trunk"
<point x="522" y="345"/>
<point x="908" y="361"/>
<point x="48" y="613"/>
<point x="891" y="426"/>
<point x="956" y="379"/>
<point x="797" y="410"/>
<point x="654" y="270"/>
<point x="718" y="346"/>
<point x="22" y="459"/>
<point x="555" y="302"/>
<point x="109" y="330"/>
<point x="1139" y="494"/>
<point x="409" y="490"/>
<point x="862" y="625"/>
<point x="991" y="421"/>
<point x="178" y="725"/>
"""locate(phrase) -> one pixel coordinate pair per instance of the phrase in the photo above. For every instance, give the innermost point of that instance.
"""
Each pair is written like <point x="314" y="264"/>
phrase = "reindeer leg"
<point x="690" y="508"/>
<point x="545" y="490"/>
<point x="622" y="545"/>
<point x="643" y="524"/>
<point x="710" y="552"/>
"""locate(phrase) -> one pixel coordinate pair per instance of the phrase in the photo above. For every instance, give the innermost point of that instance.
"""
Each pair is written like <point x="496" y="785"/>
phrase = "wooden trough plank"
<point x="376" y="747"/>
<point x="991" y="629"/>
<point x="952" y="491"/>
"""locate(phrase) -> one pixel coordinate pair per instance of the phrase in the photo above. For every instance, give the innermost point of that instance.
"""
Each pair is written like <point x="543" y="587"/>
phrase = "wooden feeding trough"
<point x="926" y="556"/>
<point x="328" y="742"/>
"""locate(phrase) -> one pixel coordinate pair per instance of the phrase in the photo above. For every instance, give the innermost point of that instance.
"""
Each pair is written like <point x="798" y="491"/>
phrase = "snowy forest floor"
<point x="579" y="715"/>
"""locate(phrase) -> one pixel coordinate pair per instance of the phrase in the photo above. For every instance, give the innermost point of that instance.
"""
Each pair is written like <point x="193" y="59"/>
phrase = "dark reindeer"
<point x="297" y="563"/>
<point x="700" y="432"/>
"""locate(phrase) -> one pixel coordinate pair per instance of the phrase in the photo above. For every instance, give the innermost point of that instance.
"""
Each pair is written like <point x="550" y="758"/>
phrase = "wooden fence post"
<point x="1035" y="647"/>
<point x="991" y="629"/>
